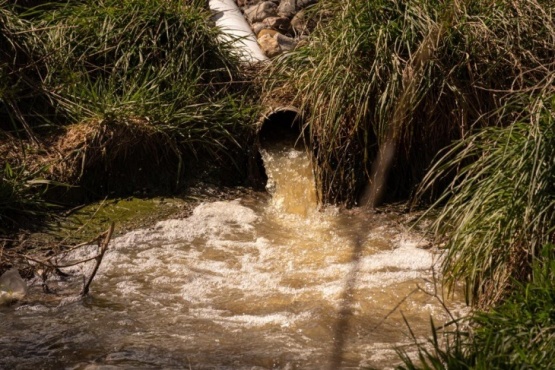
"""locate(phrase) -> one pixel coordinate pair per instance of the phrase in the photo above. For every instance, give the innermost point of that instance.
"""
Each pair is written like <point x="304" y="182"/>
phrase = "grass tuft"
<point x="516" y="334"/>
<point x="499" y="209"/>
<point x="411" y="77"/>
<point x="21" y="195"/>
<point x="145" y="84"/>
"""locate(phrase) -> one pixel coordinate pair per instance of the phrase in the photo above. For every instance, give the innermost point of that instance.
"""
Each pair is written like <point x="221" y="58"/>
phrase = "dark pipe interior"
<point x="280" y="125"/>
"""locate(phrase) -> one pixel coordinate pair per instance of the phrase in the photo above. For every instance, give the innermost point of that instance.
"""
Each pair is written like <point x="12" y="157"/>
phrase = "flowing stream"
<point x="260" y="282"/>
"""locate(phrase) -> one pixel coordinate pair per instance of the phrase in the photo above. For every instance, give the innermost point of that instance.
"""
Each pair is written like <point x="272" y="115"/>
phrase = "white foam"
<point x="230" y="268"/>
<point x="216" y="218"/>
<point x="281" y="319"/>
<point x="404" y="258"/>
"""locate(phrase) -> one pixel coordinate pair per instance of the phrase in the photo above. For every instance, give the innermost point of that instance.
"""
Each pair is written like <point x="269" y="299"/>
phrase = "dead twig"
<point x="53" y="263"/>
<point x="103" y="246"/>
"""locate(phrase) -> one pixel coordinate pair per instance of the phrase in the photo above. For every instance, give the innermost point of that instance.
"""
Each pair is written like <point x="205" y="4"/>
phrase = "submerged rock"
<point x="12" y="287"/>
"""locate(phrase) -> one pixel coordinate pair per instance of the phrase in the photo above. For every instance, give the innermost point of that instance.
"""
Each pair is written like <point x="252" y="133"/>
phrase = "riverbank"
<point x="89" y="112"/>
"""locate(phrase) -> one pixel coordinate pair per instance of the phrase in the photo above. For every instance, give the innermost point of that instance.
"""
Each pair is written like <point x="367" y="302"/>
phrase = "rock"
<point x="243" y="3"/>
<point x="257" y="27"/>
<point x="274" y="43"/>
<point x="287" y="8"/>
<point x="269" y="45"/>
<point x="302" y="24"/>
<point x="281" y="24"/>
<point x="304" y="3"/>
<point x="285" y="43"/>
<point x="12" y="287"/>
<point x="266" y="31"/>
<point x="261" y="11"/>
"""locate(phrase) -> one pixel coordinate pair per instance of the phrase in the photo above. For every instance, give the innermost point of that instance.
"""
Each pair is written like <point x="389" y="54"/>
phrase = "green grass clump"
<point x="517" y="334"/>
<point x="409" y="77"/>
<point x="500" y="207"/>
<point x="520" y="332"/>
<point x="385" y="85"/>
<point x="138" y="87"/>
<point x="21" y="195"/>
<point x="15" y="71"/>
<point x="157" y="60"/>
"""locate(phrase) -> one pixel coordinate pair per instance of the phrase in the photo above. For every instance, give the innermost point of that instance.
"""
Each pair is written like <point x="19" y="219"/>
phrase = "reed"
<point x="516" y="334"/>
<point x="416" y="75"/>
<point x="144" y="78"/>
<point x="499" y="209"/>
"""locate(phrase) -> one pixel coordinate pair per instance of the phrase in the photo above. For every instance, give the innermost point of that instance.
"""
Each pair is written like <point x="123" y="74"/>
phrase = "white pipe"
<point x="236" y="30"/>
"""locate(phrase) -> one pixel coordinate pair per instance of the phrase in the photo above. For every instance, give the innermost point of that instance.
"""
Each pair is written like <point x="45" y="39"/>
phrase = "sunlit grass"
<point x="416" y="75"/>
<point x="150" y="70"/>
<point x="516" y="334"/>
<point x="159" y="61"/>
<point x="500" y="206"/>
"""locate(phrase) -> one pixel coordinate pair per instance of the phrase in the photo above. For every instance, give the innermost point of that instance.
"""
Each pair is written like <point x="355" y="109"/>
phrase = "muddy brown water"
<point x="259" y="282"/>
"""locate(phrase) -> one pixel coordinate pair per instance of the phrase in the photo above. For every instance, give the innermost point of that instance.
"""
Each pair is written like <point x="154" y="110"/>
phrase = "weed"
<point x="412" y="77"/>
<point x="500" y="206"/>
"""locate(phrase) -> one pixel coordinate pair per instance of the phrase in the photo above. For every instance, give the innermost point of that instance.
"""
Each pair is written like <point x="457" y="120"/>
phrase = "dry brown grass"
<point x="97" y="153"/>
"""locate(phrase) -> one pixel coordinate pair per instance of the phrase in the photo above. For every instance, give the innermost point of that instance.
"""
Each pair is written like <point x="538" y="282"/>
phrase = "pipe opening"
<point x="282" y="124"/>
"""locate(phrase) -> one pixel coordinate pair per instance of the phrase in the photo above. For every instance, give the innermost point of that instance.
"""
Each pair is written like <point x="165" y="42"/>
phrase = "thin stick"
<point x="103" y="245"/>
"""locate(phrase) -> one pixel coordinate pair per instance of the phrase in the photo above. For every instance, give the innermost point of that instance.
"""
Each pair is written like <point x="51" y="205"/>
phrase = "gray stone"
<point x="243" y="3"/>
<point x="258" y="26"/>
<point x="304" y="3"/>
<point x="261" y="11"/>
<point x="281" y="24"/>
<point x="285" y="43"/>
<point x="287" y="8"/>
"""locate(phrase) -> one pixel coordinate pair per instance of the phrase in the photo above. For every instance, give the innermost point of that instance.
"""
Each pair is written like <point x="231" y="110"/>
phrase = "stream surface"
<point x="260" y="282"/>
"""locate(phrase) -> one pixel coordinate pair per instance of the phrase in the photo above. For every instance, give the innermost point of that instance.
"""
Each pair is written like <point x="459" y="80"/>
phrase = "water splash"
<point x="242" y="284"/>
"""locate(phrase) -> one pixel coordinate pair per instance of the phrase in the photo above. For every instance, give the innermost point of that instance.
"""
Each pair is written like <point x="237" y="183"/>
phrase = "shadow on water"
<point x="345" y="312"/>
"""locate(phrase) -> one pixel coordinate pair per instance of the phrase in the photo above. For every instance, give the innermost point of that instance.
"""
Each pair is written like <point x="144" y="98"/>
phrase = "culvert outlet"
<point x="279" y="123"/>
<point x="280" y="126"/>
